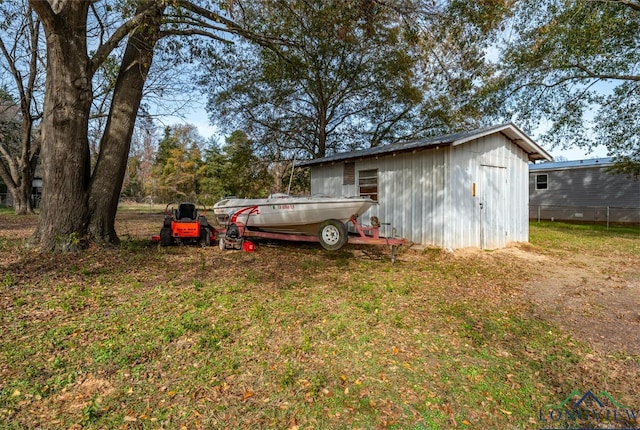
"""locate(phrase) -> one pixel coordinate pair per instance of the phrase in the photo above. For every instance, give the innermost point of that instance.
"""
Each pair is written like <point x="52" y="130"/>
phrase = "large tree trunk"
<point x="109" y="173"/>
<point x="65" y="148"/>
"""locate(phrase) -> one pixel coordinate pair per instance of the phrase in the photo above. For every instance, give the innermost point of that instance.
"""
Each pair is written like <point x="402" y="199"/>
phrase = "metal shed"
<point x="467" y="189"/>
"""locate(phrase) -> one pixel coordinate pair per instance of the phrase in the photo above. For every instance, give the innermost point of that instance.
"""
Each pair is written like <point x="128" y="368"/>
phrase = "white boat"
<point x="281" y="213"/>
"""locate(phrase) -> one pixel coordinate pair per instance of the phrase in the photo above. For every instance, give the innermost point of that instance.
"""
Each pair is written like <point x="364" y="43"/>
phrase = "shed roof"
<point x="510" y="131"/>
<point x="571" y="164"/>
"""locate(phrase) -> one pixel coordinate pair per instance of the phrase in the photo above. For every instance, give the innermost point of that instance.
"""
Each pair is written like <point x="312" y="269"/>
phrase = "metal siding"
<point x="493" y="228"/>
<point x="410" y="195"/>
<point x="427" y="195"/>
<point x="467" y="160"/>
<point x="463" y="216"/>
<point x="520" y="186"/>
<point x="328" y="180"/>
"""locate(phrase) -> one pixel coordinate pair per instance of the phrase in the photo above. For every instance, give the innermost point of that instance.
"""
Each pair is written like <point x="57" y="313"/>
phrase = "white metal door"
<point x="493" y="188"/>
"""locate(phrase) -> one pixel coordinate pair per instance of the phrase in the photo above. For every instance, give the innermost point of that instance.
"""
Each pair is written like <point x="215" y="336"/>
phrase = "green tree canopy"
<point x="351" y="74"/>
<point x="235" y="170"/>
<point x="178" y="161"/>
<point x="576" y="65"/>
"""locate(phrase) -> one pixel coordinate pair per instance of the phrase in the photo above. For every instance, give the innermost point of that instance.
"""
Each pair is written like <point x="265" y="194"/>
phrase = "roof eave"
<point x="357" y="157"/>
<point x="510" y="131"/>
<point x="514" y="134"/>
<point x="552" y="166"/>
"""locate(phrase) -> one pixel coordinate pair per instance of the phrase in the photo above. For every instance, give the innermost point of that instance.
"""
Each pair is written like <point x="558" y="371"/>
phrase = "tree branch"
<point x="231" y="26"/>
<point x="595" y="75"/>
<point x="12" y="173"/>
<point x="193" y="32"/>
<point x="14" y="71"/>
<point x="44" y="11"/>
<point x="103" y="51"/>
<point x="99" y="21"/>
<point x="33" y="63"/>
<point x="635" y="5"/>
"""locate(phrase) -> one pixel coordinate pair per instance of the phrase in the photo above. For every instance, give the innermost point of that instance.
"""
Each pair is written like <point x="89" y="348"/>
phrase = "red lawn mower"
<point x="184" y="224"/>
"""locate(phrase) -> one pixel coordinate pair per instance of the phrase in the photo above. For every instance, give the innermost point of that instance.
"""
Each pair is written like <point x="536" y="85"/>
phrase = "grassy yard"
<point x="292" y="336"/>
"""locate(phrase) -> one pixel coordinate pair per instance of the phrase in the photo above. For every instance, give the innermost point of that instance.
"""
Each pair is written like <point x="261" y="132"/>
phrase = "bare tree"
<point x="20" y="111"/>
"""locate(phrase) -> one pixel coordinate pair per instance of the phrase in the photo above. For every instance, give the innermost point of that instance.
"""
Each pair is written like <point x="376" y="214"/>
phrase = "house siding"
<point x="585" y="186"/>
<point x="585" y="193"/>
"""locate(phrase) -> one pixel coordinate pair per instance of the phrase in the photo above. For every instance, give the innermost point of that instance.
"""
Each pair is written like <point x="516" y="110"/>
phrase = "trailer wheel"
<point x="165" y="236"/>
<point x="205" y="236"/>
<point x="333" y="234"/>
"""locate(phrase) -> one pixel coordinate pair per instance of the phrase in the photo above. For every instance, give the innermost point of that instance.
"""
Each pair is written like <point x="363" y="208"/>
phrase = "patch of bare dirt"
<point x="594" y="299"/>
<point x="597" y="301"/>
<point x="82" y="392"/>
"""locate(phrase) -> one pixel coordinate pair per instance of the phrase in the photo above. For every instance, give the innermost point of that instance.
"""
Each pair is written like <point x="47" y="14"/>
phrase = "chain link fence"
<point x="593" y="214"/>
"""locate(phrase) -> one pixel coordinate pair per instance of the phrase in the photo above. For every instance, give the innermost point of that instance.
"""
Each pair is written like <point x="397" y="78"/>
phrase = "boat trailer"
<point x="333" y="235"/>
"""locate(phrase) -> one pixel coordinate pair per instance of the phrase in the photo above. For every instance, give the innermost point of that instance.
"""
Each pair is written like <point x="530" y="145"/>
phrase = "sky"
<point x="198" y="117"/>
<point x="579" y="154"/>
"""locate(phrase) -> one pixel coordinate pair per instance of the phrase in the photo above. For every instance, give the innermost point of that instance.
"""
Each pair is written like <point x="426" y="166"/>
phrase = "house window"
<point x="368" y="183"/>
<point x="349" y="174"/>
<point x="541" y="182"/>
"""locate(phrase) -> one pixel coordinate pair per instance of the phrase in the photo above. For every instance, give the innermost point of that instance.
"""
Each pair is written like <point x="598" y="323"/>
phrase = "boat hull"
<point x="295" y="215"/>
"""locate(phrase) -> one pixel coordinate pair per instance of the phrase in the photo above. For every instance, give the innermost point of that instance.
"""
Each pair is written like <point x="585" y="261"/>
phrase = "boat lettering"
<point x="283" y="206"/>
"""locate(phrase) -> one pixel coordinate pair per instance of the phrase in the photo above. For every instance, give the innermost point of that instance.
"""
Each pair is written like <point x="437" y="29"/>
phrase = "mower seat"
<point x="186" y="212"/>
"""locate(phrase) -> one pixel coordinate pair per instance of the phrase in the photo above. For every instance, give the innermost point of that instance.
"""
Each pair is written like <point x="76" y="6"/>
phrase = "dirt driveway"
<point x="595" y="298"/>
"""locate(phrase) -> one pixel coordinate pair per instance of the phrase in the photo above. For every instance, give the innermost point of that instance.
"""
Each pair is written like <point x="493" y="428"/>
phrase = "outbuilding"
<point x="467" y="189"/>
